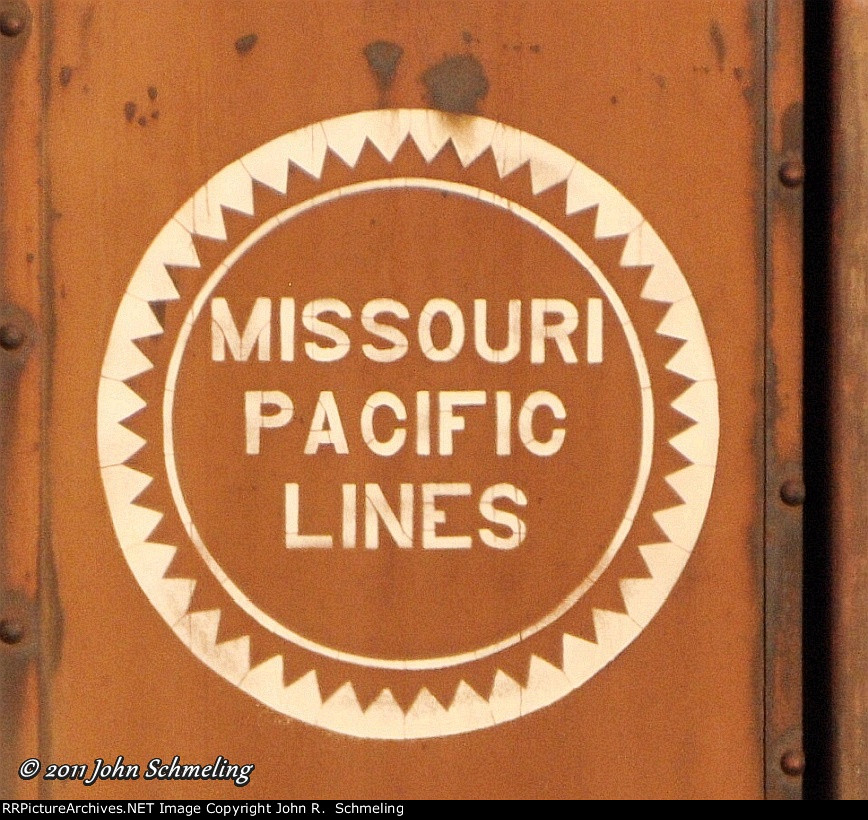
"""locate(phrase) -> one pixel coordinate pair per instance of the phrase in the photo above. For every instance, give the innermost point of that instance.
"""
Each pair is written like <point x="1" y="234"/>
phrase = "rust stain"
<point x="245" y="44"/>
<point x="719" y="43"/>
<point x="49" y="610"/>
<point x="87" y="20"/>
<point x="383" y="58"/>
<point x="791" y="128"/>
<point x="456" y="84"/>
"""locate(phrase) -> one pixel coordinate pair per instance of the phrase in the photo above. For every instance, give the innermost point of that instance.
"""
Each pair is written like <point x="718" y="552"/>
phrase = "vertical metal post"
<point x="23" y="370"/>
<point x="848" y="402"/>
<point x="784" y="495"/>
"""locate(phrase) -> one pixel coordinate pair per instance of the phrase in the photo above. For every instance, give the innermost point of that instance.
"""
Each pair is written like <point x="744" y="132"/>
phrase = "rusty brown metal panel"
<point x="848" y="400"/>
<point x="785" y="761"/>
<point x="475" y="116"/>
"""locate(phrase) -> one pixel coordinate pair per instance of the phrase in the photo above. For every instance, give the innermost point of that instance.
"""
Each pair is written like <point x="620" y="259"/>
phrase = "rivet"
<point x="793" y="762"/>
<point x="11" y="336"/>
<point x="793" y="492"/>
<point x="11" y="631"/>
<point x="792" y="173"/>
<point x="12" y="22"/>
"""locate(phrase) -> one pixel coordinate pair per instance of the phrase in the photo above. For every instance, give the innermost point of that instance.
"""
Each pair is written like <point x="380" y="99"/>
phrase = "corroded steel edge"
<point x="49" y="610"/>
<point x="784" y="762"/>
<point x="22" y="369"/>
<point x="847" y="407"/>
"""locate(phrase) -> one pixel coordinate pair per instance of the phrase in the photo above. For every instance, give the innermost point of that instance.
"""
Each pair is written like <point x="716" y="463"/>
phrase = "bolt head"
<point x="11" y="631"/>
<point x="793" y="762"/>
<point x="793" y="492"/>
<point x="12" y="23"/>
<point x="792" y="173"/>
<point x="11" y="336"/>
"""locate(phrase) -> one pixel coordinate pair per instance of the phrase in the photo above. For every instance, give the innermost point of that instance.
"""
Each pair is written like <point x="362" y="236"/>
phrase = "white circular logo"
<point x="423" y="395"/>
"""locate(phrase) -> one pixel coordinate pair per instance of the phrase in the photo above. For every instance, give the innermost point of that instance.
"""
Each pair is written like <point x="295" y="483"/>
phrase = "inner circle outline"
<point x="566" y="244"/>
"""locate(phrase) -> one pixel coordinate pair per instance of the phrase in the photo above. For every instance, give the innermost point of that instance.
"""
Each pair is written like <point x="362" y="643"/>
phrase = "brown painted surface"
<point x="143" y="106"/>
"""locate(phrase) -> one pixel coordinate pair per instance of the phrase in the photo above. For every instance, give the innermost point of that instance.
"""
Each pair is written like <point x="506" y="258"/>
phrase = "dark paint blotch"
<point x="155" y="115"/>
<point x="660" y="80"/>
<point x="130" y="109"/>
<point x="716" y="35"/>
<point x="65" y="75"/>
<point x="30" y="258"/>
<point x="456" y="84"/>
<point x="87" y="18"/>
<point x="738" y="73"/>
<point x="536" y="48"/>
<point x="792" y="127"/>
<point x="143" y="121"/>
<point x="467" y="37"/>
<point x="383" y="58"/>
<point x="245" y="44"/>
<point x="613" y="99"/>
<point x="152" y="92"/>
